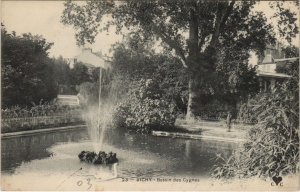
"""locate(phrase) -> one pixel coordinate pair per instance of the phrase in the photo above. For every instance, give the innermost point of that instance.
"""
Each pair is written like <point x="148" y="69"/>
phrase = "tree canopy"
<point x="26" y="70"/>
<point x="135" y="59"/>
<point x="202" y="34"/>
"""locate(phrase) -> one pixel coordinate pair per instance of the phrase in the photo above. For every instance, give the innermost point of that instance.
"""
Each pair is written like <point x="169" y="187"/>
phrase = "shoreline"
<point x="209" y="132"/>
<point x="195" y="136"/>
<point x="42" y="130"/>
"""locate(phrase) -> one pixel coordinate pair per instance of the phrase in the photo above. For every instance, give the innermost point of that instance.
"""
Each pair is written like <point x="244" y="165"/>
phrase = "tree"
<point x="287" y="67"/>
<point x="79" y="74"/>
<point x="63" y="75"/>
<point x="197" y="31"/>
<point x="27" y="72"/>
<point x="62" y="70"/>
<point x="233" y="82"/>
<point x="291" y="51"/>
<point x="135" y="59"/>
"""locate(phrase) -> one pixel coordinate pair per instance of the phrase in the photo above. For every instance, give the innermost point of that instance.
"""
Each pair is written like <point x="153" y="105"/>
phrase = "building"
<point x="268" y="65"/>
<point x="91" y="60"/>
<point x="71" y="100"/>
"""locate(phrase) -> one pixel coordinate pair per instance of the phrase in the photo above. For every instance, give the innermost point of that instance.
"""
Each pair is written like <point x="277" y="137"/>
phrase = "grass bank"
<point x="213" y="128"/>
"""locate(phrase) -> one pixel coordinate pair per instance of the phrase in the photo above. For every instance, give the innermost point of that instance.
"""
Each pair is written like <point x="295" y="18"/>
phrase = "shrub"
<point x="89" y="92"/>
<point x="42" y="109"/>
<point x="273" y="145"/>
<point x="46" y="115"/>
<point x="211" y="110"/>
<point x="145" y="109"/>
<point x="246" y="112"/>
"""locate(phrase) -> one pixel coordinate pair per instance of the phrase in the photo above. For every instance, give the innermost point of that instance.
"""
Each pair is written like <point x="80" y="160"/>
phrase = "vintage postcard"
<point x="150" y="95"/>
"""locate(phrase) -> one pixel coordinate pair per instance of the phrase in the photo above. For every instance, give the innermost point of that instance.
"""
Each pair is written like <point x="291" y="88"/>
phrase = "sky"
<point x="43" y="18"/>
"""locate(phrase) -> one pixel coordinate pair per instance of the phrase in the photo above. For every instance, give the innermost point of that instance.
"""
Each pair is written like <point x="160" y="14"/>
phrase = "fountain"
<point x="98" y="119"/>
<point x="97" y="124"/>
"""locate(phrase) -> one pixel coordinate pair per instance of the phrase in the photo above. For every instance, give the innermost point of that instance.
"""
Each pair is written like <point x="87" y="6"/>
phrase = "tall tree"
<point x="135" y="59"/>
<point x="62" y="70"/>
<point x="79" y="74"/>
<point x="26" y="70"/>
<point x="196" y="31"/>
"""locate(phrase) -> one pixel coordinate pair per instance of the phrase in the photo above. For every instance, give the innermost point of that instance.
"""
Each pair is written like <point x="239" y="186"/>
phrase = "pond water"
<point x="139" y="155"/>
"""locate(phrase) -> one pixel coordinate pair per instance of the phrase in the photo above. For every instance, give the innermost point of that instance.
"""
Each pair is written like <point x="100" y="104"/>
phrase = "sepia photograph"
<point x="150" y="95"/>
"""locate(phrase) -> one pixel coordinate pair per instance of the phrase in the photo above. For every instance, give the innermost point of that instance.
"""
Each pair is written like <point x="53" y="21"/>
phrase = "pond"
<point x="140" y="156"/>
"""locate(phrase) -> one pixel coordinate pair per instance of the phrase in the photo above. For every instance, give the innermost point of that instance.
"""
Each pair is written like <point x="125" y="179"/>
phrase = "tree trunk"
<point x="194" y="49"/>
<point x="193" y="52"/>
<point x="189" y="114"/>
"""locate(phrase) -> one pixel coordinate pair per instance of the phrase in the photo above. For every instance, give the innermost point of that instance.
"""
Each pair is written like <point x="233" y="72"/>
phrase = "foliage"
<point x="145" y="109"/>
<point x="135" y="59"/>
<point x="46" y="115"/>
<point x="196" y="32"/>
<point x="70" y="79"/>
<point x="86" y="18"/>
<point x="286" y="25"/>
<point x="287" y="68"/>
<point x="89" y="92"/>
<point x="247" y="112"/>
<point x="61" y="70"/>
<point x="235" y="84"/>
<point x="210" y="108"/>
<point x="291" y="51"/>
<point x="27" y="73"/>
<point x="79" y="74"/>
<point x="89" y="87"/>
<point x="273" y="145"/>
<point x="42" y="109"/>
<point x="81" y="79"/>
<point x="63" y="76"/>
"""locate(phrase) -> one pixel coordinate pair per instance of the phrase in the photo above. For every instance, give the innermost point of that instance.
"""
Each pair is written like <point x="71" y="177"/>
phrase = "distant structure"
<point x="70" y="100"/>
<point x="267" y="65"/>
<point x="91" y="60"/>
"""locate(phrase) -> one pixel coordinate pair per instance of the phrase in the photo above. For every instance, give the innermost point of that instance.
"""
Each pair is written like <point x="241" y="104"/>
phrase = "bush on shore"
<point x="45" y="109"/>
<point x="273" y="145"/>
<point x="145" y="109"/>
<point x="39" y="116"/>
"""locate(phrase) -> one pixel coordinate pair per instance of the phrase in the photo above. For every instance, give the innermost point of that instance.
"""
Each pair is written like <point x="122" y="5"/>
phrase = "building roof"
<point x="268" y="68"/>
<point x="286" y="59"/>
<point x="276" y="75"/>
<point x="89" y="58"/>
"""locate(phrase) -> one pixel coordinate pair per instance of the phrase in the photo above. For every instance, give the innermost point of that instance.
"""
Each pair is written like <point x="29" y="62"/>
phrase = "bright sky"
<point x="43" y="18"/>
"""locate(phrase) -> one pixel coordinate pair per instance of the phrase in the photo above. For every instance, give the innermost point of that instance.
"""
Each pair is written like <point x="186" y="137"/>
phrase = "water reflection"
<point x="18" y="150"/>
<point x="187" y="157"/>
<point x="139" y="155"/>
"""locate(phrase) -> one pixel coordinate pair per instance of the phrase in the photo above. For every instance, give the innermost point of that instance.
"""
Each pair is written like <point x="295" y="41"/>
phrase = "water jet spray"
<point x="88" y="58"/>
